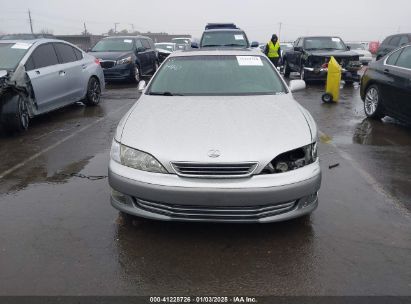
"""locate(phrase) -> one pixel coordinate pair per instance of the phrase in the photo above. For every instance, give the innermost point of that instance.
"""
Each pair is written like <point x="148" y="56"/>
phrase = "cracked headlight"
<point x="124" y="60"/>
<point x="135" y="159"/>
<point x="292" y="160"/>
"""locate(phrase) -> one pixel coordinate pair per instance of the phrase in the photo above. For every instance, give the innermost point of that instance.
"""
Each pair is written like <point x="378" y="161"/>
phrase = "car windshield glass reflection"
<point x="356" y="46"/>
<point x="113" y="45"/>
<point x="324" y="43"/>
<point x="230" y="38"/>
<point x="217" y="75"/>
<point x="167" y="47"/>
<point x="11" y="54"/>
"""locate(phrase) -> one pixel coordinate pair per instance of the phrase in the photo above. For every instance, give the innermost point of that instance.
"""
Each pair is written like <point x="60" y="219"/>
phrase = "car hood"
<point x="335" y="53"/>
<point x="110" y="55"/>
<point x="363" y="52"/>
<point x="242" y="128"/>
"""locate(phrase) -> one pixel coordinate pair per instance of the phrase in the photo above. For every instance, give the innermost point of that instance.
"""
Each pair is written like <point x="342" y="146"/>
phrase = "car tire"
<point x="135" y="74"/>
<point x="287" y="70"/>
<point x="372" y="103"/>
<point x="15" y="116"/>
<point x="93" y="94"/>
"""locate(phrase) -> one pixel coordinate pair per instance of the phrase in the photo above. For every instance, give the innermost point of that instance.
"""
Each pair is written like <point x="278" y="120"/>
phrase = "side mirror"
<point x="297" y="85"/>
<point x="348" y="48"/>
<point x="140" y="49"/>
<point x="88" y="50"/>
<point x="194" y="45"/>
<point x="298" y="49"/>
<point x="141" y="85"/>
<point x="254" y="44"/>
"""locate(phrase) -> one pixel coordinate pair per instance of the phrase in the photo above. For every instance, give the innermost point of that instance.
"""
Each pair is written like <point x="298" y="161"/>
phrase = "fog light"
<point x="308" y="200"/>
<point x="119" y="197"/>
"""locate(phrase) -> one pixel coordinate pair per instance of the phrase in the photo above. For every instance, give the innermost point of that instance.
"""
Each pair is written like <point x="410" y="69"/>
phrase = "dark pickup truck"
<point x="310" y="57"/>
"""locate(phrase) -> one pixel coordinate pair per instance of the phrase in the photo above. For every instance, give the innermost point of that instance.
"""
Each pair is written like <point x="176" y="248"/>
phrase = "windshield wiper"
<point x="165" y="94"/>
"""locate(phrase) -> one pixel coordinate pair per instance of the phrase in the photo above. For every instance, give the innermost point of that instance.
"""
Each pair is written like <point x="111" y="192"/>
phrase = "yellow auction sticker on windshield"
<point x="249" y="61"/>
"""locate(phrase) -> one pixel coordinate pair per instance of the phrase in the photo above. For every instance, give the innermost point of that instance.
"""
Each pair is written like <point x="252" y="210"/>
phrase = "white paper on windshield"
<point x="249" y="61"/>
<point x="128" y="40"/>
<point x="21" y="46"/>
<point x="335" y="39"/>
<point x="238" y="37"/>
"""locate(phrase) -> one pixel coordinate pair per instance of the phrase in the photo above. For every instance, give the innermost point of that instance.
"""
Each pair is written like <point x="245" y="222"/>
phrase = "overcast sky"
<point x="351" y="19"/>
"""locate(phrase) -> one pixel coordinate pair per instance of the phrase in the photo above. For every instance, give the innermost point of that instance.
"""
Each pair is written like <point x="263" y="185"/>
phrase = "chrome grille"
<point x="214" y="170"/>
<point x="216" y="212"/>
<point x="106" y="64"/>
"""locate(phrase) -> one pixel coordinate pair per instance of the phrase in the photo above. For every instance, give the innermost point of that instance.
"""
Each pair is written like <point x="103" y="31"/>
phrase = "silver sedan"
<point x="216" y="136"/>
<point x="42" y="75"/>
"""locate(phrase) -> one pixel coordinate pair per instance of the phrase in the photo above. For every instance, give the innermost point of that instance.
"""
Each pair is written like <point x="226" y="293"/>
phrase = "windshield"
<point x="11" y="54"/>
<point x="356" y="46"/>
<point x="324" y="43"/>
<point x="167" y="47"/>
<point x="113" y="45"/>
<point x="181" y="40"/>
<point x="224" y="38"/>
<point x="216" y="75"/>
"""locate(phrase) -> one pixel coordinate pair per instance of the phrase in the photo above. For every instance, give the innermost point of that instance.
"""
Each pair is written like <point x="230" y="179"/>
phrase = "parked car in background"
<point x="386" y="86"/>
<point x="182" y="43"/>
<point x="42" y="75"/>
<point x="391" y="43"/>
<point x="285" y="47"/>
<point x="164" y="49"/>
<point x="361" y="49"/>
<point x="310" y="57"/>
<point x="224" y="35"/>
<point x="126" y="57"/>
<point x="200" y="100"/>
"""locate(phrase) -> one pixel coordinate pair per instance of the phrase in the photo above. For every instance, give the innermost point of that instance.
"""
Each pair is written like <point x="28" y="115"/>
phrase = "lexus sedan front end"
<point x="216" y="136"/>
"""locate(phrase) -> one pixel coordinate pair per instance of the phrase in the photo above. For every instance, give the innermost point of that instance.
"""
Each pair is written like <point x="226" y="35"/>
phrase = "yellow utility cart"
<point x="332" y="87"/>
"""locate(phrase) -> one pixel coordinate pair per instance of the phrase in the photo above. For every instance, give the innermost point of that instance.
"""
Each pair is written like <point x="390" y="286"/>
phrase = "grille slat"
<point x="107" y="64"/>
<point x="212" y="212"/>
<point x="214" y="170"/>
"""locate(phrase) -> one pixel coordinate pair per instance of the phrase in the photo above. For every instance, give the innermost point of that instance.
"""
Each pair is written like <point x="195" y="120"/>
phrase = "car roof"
<point x="224" y="30"/>
<point x="218" y="52"/>
<point x="126" y="37"/>
<point x="32" y="41"/>
<point x="320" y="37"/>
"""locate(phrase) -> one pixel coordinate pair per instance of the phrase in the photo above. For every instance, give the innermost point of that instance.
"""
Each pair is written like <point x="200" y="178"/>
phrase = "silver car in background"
<point x="42" y="75"/>
<point x="216" y="136"/>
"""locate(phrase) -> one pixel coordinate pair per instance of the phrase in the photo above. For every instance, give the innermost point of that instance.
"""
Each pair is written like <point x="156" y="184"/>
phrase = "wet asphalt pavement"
<point x="60" y="236"/>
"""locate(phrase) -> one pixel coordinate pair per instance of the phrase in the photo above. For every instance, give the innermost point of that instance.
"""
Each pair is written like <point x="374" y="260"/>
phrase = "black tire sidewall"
<point x="378" y="113"/>
<point x="89" y="100"/>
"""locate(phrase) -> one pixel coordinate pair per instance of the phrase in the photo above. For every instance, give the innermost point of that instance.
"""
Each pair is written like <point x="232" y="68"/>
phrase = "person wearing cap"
<point x="272" y="50"/>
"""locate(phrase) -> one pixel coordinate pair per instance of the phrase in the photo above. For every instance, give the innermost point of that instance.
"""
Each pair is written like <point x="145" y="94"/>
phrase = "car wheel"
<point x="372" y="103"/>
<point x="136" y="74"/>
<point x="287" y="70"/>
<point x="15" y="114"/>
<point x="93" y="92"/>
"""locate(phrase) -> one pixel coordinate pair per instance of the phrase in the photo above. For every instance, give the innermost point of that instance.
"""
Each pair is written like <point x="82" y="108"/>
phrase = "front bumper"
<point x="119" y="72"/>
<point x="321" y="74"/>
<point x="257" y="199"/>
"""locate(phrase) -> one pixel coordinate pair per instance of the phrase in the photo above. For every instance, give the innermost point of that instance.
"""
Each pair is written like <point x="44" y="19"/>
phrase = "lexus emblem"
<point x="214" y="153"/>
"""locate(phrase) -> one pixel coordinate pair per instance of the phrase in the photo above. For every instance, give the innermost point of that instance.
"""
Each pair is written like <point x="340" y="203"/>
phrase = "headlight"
<point x="292" y="160"/>
<point x="124" y="60"/>
<point x="135" y="159"/>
